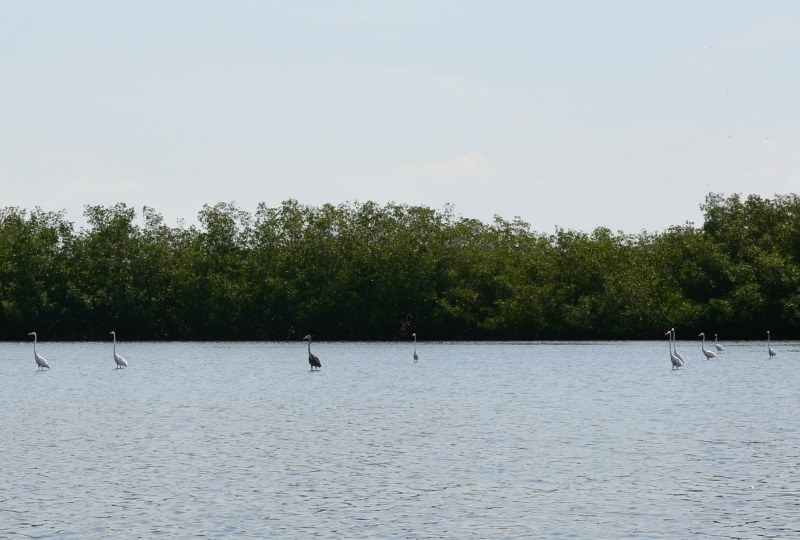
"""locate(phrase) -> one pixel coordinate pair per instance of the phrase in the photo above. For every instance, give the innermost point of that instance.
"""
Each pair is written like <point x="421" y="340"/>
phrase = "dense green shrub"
<point x="365" y="271"/>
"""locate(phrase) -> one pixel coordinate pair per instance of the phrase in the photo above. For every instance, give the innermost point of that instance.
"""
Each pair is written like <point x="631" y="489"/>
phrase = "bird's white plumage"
<point x="677" y="362"/>
<point x="41" y="363"/>
<point x="119" y="360"/>
<point x="770" y="350"/>
<point x="717" y="344"/>
<point x="675" y="347"/>
<point x="709" y="354"/>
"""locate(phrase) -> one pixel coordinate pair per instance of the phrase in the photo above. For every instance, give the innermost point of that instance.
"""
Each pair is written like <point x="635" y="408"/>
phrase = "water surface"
<point x="477" y="440"/>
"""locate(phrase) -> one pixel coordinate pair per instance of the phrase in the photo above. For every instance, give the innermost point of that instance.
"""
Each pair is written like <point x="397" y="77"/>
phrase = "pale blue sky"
<point x="577" y="114"/>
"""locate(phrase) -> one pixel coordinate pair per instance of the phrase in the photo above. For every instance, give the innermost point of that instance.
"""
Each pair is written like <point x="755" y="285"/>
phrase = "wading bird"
<point x="717" y="344"/>
<point x="677" y="363"/>
<point x="41" y="363"/>
<point x="675" y="347"/>
<point x="770" y="350"/>
<point x="312" y="359"/>
<point x="709" y="354"/>
<point x="121" y="362"/>
<point x="416" y="356"/>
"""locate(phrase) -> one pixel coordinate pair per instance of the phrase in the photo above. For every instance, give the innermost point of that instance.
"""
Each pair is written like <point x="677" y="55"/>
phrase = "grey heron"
<point x="312" y="358"/>
<point x="416" y="356"/>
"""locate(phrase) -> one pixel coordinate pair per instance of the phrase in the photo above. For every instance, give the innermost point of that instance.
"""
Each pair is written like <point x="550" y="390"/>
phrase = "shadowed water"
<point x="561" y="440"/>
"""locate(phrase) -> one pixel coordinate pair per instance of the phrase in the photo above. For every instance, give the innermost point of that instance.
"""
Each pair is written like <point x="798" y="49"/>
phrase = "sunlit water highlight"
<point x="477" y="440"/>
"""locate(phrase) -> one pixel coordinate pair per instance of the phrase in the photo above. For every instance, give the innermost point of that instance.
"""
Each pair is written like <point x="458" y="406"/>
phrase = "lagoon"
<point x="477" y="440"/>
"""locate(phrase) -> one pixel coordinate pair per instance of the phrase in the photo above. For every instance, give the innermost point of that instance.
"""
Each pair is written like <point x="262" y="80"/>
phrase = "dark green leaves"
<point x="365" y="271"/>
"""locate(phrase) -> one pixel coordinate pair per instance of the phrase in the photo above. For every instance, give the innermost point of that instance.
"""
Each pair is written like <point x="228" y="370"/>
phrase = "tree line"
<point x="362" y="271"/>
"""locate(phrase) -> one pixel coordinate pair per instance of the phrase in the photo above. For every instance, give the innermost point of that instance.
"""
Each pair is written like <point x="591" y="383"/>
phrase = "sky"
<point x="574" y="114"/>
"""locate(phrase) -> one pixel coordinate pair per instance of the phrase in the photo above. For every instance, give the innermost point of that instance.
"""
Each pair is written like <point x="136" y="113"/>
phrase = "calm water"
<point x="556" y="440"/>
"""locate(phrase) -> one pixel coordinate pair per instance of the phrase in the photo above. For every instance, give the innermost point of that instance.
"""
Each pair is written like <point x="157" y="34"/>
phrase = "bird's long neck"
<point x="309" y="346"/>
<point x="115" y="342"/>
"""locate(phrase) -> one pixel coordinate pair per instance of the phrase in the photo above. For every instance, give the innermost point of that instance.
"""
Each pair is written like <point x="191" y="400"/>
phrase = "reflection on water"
<point x="477" y="440"/>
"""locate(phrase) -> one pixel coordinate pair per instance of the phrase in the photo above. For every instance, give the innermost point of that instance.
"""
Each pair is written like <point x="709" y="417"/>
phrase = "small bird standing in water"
<point x="717" y="344"/>
<point x="770" y="350"/>
<point x="312" y="358"/>
<point x="709" y="354"/>
<point x="677" y="362"/>
<point x="41" y="363"/>
<point x="675" y="348"/>
<point x="121" y="362"/>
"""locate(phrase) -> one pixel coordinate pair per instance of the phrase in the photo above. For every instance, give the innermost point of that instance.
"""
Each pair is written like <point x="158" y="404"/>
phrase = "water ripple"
<point x="478" y="440"/>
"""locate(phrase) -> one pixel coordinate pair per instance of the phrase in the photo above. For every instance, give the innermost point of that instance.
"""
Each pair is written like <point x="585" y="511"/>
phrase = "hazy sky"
<point x="576" y="114"/>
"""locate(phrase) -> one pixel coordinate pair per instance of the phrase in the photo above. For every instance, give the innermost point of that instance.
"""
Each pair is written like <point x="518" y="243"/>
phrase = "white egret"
<point x="41" y="363"/>
<point x="772" y="353"/>
<point x="416" y="356"/>
<point x="121" y="362"/>
<point x="675" y="347"/>
<point x="677" y="363"/>
<point x="312" y="359"/>
<point x="709" y="354"/>
<point x="717" y="344"/>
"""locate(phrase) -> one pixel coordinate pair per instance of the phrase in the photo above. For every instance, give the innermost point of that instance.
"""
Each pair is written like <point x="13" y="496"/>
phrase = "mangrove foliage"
<point x="362" y="271"/>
